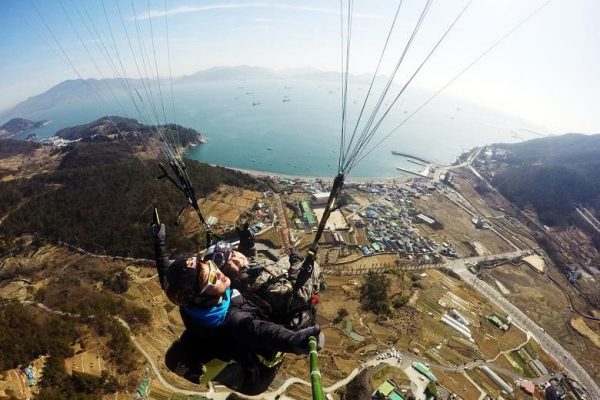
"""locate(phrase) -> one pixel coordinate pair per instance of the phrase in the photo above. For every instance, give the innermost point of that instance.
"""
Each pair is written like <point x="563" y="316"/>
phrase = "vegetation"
<point x="18" y="125"/>
<point x="374" y="293"/>
<point x="117" y="281"/>
<point x="56" y="383"/>
<point x="26" y="335"/>
<point x="355" y="389"/>
<point x="400" y="300"/>
<point x="341" y="314"/>
<point x="72" y="296"/>
<point x="11" y="147"/>
<point x="552" y="175"/>
<point x="134" y="132"/>
<point x="99" y="198"/>
<point x="431" y="391"/>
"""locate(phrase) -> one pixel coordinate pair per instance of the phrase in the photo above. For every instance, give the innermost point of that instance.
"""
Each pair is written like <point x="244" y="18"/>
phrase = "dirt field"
<point x="226" y="204"/>
<point x="580" y="326"/>
<point x="458" y="227"/>
<point x="547" y="305"/>
<point x="89" y="362"/>
<point x="491" y="340"/>
<point x="20" y="166"/>
<point x="458" y="384"/>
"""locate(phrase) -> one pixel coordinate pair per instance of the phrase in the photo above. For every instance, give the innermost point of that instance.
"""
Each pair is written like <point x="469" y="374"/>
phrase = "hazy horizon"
<point x="545" y="72"/>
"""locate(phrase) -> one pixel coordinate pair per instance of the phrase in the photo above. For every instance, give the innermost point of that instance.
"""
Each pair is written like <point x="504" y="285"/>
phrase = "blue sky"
<point x="546" y="72"/>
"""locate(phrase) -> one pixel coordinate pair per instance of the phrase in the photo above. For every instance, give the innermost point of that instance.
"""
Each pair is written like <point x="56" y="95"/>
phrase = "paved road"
<point x="551" y="346"/>
<point x="590" y="219"/>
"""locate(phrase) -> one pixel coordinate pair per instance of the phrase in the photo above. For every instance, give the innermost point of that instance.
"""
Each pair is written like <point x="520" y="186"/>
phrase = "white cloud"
<point x="196" y="9"/>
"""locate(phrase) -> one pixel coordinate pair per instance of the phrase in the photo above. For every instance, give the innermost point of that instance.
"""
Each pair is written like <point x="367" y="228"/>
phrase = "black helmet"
<point x="219" y="253"/>
<point x="183" y="283"/>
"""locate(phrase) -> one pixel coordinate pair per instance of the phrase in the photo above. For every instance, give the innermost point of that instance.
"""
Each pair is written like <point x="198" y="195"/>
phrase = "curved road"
<point x="551" y="346"/>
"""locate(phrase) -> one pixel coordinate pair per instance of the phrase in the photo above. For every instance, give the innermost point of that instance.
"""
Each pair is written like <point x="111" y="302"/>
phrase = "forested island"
<point x="19" y="125"/>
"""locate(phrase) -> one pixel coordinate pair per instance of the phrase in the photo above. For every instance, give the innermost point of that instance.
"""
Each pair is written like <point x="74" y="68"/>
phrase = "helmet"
<point x="183" y="281"/>
<point x="219" y="253"/>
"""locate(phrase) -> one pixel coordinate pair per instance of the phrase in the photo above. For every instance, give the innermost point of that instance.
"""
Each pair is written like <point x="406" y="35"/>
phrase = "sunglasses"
<point x="212" y="276"/>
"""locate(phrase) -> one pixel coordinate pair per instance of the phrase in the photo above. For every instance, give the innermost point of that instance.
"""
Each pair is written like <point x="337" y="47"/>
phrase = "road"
<point x="285" y="232"/>
<point x="589" y="218"/>
<point x="551" y="346"/>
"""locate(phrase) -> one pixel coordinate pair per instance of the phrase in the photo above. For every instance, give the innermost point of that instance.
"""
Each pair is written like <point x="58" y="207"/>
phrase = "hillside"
<point x="112" y="127"/>
<point x="98" y="199"/>
<point x="19" y="125"/>
<point x="550" y="175"/>
<point x="12" y="147"/>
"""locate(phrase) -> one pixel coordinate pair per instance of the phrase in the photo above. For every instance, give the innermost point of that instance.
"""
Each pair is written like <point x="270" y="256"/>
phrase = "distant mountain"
<point x="78" y="90"/>
<point x="68" y="92"/>
<point x="242" y="72"/>
<point x="19" y="125"/>
<point x="552" y="175"/>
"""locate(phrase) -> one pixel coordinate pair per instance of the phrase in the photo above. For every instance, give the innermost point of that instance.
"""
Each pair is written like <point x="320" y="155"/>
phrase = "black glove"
<point x="299" y="340"/>
<point x="312" y="250"/>
<point x="158" y="234"/>
<point x="246" y="246"/>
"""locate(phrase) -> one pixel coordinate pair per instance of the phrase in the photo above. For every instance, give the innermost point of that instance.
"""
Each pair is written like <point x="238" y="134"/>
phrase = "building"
<point x="388" y="390"/>
<point x="426" y="219"/>
<point x="424" y="370"/>
<point x="527" y="386"/>
<point x="498" y="322"/>
<point x="319" y="198"/>
<point x="309" y="217"/>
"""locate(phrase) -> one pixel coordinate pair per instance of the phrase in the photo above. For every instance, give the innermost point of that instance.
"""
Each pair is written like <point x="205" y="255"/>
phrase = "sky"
<point x="545" y="72"/>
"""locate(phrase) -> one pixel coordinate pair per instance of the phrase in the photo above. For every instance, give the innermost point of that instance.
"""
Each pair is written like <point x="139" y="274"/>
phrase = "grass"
<point x="516" y="357"/>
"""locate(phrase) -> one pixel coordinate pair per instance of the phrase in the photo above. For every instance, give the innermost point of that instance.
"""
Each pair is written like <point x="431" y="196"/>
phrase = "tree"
<point x="374" y="293"/>
<point x="341" y="314"/>
<point x="400" y="300"/>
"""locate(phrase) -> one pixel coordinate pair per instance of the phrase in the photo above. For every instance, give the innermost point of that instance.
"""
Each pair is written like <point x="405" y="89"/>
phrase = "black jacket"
<point x="244" y="330"/>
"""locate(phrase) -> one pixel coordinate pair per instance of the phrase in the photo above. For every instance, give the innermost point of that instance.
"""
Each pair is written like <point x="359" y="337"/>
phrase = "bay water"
<point x="293" y="126"/>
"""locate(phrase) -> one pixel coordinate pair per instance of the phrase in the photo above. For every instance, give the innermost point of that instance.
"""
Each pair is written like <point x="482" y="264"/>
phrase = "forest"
<point x="133" y="131"/>
<point x="552" y="175"/>
<point x="100" y="199"/>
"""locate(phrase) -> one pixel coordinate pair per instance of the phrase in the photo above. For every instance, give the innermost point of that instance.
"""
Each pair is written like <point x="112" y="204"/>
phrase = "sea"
<point x="293" y="126"/>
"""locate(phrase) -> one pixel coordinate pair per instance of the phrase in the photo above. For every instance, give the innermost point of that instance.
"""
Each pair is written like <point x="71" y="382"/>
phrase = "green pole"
<point x="315" y="374"/>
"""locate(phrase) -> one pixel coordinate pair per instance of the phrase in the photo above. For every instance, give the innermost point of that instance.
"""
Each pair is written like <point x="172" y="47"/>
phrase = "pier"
<point x="408" y="171"/>
<point x="397" y="153"/>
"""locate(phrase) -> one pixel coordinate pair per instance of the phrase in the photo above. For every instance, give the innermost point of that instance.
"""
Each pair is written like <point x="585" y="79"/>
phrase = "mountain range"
<point x="77" y="90"/>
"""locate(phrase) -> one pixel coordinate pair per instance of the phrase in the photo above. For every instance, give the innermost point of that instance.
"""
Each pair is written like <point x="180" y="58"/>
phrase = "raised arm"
<point x="160" y="251"/>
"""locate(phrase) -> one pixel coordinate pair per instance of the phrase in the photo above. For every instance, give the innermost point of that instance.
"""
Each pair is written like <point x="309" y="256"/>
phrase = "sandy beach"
<point x="267" y="174"/>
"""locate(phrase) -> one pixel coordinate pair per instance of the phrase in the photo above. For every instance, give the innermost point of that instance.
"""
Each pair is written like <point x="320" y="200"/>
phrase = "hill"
<point x="112" y="127"/>
<point x="551" y="175"/>
<point x="19" y="125"/>
<point x="97" y="197"/>
<point x="12" y="147"/>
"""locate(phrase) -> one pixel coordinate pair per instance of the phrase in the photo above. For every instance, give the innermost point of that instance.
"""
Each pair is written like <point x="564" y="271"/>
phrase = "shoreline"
<point x="268" y="174"/>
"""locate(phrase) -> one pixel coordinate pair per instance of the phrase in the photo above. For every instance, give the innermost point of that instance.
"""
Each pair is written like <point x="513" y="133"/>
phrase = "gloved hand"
<point x="312" y="250"/>
<point x="300" y="339"/>
<point x="246" y="246"/>
<point x="158" y="234"/>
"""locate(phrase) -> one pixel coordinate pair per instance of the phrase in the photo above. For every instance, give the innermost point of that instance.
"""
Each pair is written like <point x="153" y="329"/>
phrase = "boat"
<point x="286" y="100"/>
<point x="270" y="149"/>
<point x="256" y="103"/>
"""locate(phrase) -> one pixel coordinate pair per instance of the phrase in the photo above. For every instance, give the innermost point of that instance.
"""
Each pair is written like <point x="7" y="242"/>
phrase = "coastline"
<point x="267" y="174"/>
